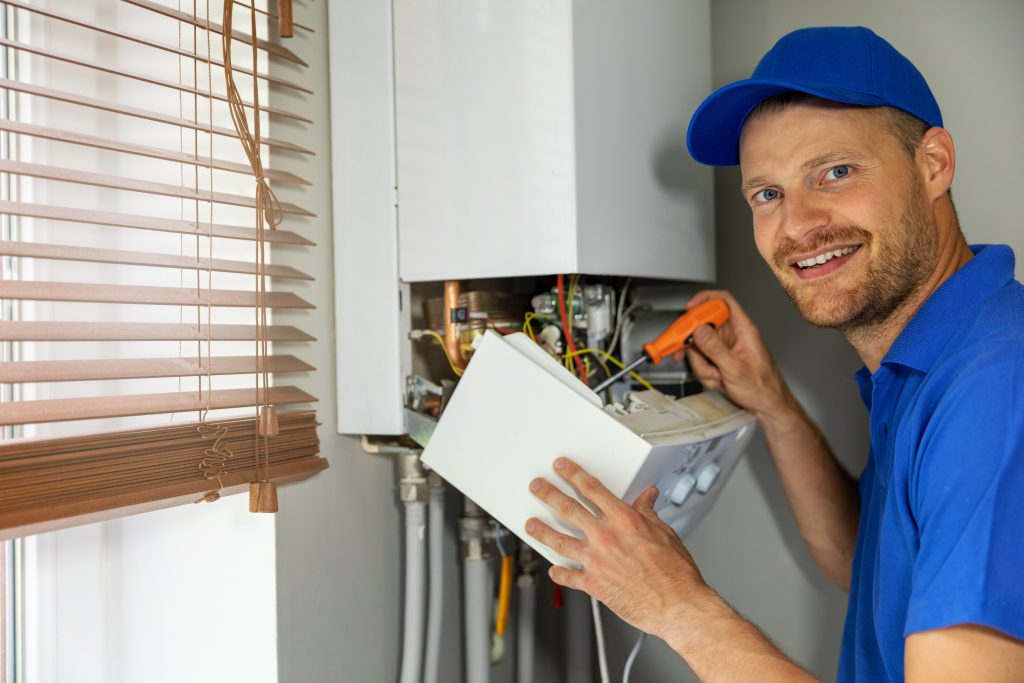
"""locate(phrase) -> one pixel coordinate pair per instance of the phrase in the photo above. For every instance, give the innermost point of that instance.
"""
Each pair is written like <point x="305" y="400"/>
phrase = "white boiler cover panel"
<point x="485" y="138"/>
<point x="515" y="410"/>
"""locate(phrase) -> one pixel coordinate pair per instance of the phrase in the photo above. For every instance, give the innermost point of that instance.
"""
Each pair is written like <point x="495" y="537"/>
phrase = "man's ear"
<point x="937" y="160"/>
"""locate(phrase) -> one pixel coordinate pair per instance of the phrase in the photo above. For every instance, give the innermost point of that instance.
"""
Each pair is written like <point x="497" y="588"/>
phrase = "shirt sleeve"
<point x="967" y="497"/>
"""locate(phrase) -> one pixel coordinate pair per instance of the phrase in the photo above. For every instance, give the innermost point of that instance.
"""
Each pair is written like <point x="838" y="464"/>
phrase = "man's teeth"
<point x="827" y="256"/>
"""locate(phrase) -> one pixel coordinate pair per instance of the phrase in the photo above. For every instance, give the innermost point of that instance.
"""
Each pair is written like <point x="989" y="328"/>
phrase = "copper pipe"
<point x="451" y="328"/>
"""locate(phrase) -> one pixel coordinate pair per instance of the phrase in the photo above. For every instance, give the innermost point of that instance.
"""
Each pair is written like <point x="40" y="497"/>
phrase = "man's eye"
<point x="837" y="172"/>
<point x="766" y="195"/>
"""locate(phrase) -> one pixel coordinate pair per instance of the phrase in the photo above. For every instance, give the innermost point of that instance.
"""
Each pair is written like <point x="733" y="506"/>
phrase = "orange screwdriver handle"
<point x="679" y="334"/>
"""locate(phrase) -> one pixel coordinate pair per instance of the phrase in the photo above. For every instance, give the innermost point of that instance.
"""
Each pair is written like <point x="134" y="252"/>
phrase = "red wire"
<point x="570" y="345"/>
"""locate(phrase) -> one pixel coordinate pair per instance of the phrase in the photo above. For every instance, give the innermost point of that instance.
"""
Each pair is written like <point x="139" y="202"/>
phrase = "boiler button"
<point x="683" y="488"/>
<point x="707" y="477"/>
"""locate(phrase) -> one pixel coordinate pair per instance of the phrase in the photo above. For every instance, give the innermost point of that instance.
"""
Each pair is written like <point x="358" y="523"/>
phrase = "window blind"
<point x="138" y="286"/>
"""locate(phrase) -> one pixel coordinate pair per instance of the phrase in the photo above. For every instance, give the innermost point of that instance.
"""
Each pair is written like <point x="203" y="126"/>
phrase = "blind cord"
<point x="268" y="212"/>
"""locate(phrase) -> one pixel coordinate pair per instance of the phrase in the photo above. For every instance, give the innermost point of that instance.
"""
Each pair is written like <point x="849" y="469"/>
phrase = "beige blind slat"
<point x="103" y="105"/>
<point x="61" y="252"/>
<point x="96" y="407"/>
<point x="121" y="220"/>
<point x="23" y="330"/>
<point x="14" y="372"/>
<point x="144" y="150"/>
<point x="69" y="175"/>
<point x="130" y="294"/>
<point x="270" y="48"/>
<point x="166" y="47"/>
<point x="174" y="85"/>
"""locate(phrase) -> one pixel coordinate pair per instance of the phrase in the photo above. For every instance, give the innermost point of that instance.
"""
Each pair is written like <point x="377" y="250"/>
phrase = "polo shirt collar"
<point x="942" y="314"/>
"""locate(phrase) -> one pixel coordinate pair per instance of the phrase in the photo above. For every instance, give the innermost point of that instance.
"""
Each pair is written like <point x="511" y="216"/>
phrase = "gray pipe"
<point x="527" y="586"/>
<point x="478" y="627"/>
<point x="435" y="610"/>
<point x="415" y="592"/>
<point x="579" y="655"/>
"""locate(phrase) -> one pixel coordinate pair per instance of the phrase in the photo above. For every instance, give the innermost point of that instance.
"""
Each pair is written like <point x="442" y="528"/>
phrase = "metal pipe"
<point x="579" y="655"/>
<point x="435" y="609"/>
<point x="451" y="327"/>
<point x="477" y="596"/>
<point x="527" y="585"/>
<point x="415" y="592"/>
<point x="412" y="484"/>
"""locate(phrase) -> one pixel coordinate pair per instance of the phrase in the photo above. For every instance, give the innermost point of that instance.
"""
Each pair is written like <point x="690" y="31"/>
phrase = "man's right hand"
<point x="736" y="359"/>
<point x="823" y="496"/>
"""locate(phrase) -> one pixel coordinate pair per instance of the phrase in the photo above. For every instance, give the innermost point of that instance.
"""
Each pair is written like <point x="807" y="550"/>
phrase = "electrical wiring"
<point x="494" y="326"/>
<point x="528" y="327"/>
<point x="619" y="315"/>
<point x="616" y="362"/>
<point x="571" y="305"/>
<point x="416" y="335"/>
<point x="632" y="657"/>
<point x="570" y="345"/>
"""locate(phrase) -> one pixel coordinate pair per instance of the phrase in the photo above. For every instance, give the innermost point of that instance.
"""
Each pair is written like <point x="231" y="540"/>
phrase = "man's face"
<point x="839" y="212"/>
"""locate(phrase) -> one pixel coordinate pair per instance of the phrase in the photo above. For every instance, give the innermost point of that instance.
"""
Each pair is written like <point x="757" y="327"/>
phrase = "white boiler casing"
<point x="546" y="136"/>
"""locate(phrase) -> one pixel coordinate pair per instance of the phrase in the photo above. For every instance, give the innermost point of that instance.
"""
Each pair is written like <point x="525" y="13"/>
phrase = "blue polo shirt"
<point x="941" y="534"/>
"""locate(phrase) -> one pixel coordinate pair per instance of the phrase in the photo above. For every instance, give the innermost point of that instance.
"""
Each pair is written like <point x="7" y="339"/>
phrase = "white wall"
<point x="970" y="53"/>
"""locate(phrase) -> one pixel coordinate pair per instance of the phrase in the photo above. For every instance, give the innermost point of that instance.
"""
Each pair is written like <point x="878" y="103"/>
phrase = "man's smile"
<point x="823" y="261"/>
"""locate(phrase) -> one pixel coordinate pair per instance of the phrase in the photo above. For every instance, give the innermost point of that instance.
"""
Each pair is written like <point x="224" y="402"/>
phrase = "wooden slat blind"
<point x="89" y="478"/>
<point x="132" y="260"/>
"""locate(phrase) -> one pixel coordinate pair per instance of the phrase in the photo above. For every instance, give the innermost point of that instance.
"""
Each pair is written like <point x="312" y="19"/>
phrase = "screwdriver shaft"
<point x="620" y="374"/>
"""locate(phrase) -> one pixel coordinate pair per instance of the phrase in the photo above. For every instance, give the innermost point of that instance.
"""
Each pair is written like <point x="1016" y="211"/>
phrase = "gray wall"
<point x="970" y="53"/>
<point x="338" y="550"/>
<point x="339" y="580"/>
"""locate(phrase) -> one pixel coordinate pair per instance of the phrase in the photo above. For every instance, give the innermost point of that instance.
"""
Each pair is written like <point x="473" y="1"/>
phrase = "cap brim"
<point x="713" y="136"/>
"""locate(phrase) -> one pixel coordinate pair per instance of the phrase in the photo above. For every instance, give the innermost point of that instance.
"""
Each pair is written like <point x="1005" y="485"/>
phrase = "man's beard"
<point x="905" y="259"/>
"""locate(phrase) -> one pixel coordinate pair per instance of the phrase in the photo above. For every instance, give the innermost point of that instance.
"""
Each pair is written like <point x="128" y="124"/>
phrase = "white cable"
<point x="632" y="657"/>
<point x="619" y="315"/>
<point x="602" y="656"/>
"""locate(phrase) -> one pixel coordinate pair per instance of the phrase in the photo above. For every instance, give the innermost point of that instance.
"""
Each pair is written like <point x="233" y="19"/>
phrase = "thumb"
<point x="709" y="342"/>
<point x="644" y="503"/>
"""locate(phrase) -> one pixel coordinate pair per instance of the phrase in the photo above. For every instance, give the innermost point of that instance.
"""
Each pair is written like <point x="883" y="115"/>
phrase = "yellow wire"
<point x="440" y="340"/>
<point x="603" y="365"/>
<point x="527" y="327"/>
<point x="504" y="594"/>
<point x="614" y="361"/>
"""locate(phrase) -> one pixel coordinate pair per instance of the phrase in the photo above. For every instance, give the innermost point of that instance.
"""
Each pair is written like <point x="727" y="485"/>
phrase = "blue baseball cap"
<point x="848" y="64"/>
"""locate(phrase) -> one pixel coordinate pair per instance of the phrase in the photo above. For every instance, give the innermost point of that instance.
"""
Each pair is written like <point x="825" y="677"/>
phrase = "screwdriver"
<point x="675" y="338"/>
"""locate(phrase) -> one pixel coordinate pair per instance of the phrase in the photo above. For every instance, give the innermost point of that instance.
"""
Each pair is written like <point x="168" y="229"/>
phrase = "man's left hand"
<point x="631" y="561"/>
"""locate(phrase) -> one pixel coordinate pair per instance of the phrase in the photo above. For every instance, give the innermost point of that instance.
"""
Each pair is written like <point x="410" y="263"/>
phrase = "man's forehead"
<point x="804" y="135"/>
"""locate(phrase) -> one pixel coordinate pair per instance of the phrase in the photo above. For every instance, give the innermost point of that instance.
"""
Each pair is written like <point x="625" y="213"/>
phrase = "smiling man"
<point x="847" y="171"/>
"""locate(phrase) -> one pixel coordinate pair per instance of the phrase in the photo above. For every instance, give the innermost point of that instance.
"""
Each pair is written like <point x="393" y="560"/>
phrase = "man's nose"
<point x="803" y="214"/>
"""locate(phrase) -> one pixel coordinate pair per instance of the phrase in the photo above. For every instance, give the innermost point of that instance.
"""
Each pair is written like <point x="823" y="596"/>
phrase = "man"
<point x="847" y="171"/>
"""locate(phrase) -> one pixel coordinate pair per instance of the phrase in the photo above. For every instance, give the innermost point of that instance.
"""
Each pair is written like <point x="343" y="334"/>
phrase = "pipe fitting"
<point x="412" y="479"/>
<point x="473" y="532"/>
<point x="528" y="566"/>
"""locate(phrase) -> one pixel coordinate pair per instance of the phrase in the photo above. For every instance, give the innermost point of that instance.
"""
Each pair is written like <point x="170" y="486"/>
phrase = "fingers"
<point x="568" y="508"/>
<point x="703" y="370"/>
<point x="587" y="484"/>
<point x="644" y="503"/>
<point x="563" y="544"/>
<point x="710" y="343"/>
<point x="570" y="578"/>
